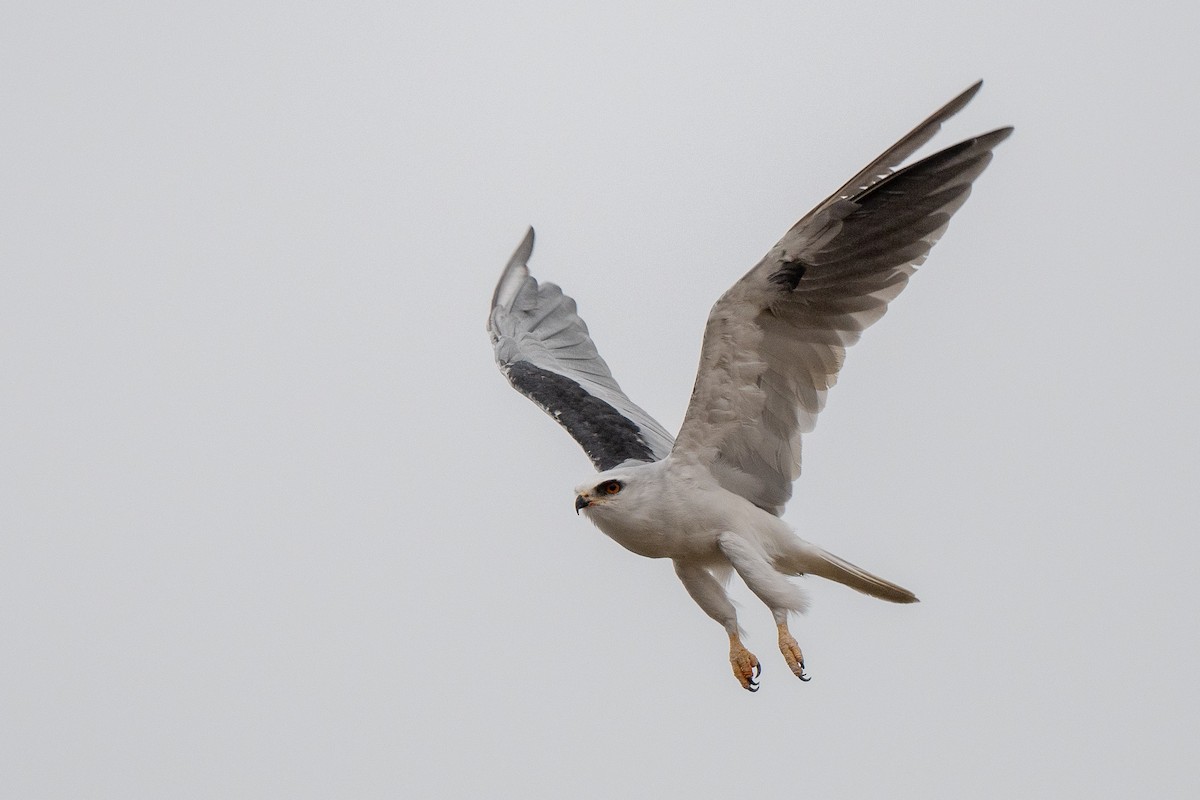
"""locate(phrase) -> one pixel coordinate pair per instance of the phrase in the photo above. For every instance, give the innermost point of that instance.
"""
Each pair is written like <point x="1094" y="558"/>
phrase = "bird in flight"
<point x="711" y="499"/>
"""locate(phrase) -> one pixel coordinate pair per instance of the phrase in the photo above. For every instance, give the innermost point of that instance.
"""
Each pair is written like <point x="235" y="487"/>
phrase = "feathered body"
<point x="711" y="499"/>
<point x="676" y="509"/>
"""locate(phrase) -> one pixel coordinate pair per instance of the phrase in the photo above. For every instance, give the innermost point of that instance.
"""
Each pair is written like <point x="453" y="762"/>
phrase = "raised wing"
<point x="774" y="343"/>
<point x="543" y="348"/>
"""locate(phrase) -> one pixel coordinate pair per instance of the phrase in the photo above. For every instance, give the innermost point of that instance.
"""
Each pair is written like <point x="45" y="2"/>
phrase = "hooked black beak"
<point x="581" y="502"/>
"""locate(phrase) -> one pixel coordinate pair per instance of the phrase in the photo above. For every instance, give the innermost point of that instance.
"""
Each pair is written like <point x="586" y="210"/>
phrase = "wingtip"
<point x="993" y="138"/>
<point x="969" y="93"/>
<point x="507" y="286"/>
<point x="959" y="102"/>
<point x="525" y="248"/>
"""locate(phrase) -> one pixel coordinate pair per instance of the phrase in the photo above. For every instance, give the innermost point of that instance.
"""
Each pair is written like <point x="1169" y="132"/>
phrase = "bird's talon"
<point x="746" y="667"/>
<point x="792" y="654"/>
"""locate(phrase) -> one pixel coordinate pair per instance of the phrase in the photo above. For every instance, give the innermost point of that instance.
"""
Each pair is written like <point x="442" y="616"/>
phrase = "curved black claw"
<point x="757" y="670"/>
<point x="803" y="675"/>
<point x="752" y="686"/>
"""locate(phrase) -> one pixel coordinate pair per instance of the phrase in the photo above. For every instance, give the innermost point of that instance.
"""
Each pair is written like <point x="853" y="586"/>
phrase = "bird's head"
<point x="602" y="492"/>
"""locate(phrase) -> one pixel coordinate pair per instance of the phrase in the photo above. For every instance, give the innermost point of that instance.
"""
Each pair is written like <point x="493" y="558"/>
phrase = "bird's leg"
<point x="745" y="664"/>
<point x="710" y="595"/>
<point x="790" y="648"/>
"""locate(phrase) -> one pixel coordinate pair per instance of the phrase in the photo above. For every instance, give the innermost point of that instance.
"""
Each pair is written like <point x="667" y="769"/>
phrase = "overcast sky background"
<point x="274" y="526"/>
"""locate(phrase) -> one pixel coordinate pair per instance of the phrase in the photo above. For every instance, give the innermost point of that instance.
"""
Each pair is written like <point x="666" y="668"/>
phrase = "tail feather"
<point x="826" y="565"/>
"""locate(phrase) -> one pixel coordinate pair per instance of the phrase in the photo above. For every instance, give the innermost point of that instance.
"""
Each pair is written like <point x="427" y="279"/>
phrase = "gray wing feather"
<point x="543" y="347"/>
<point x="775" y="342"/>
<point x="911" y="142"/>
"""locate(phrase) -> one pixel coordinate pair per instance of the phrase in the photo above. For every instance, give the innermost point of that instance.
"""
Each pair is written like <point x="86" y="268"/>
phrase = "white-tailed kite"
<point x="710" y="500"/>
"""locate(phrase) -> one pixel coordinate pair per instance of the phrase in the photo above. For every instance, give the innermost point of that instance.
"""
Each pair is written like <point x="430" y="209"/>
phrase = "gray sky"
<point x="273" y="525"/>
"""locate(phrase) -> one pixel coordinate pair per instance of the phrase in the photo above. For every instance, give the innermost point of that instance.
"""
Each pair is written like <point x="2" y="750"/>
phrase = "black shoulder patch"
<point x="789" y="274"/>
<point x="604" y="434"/>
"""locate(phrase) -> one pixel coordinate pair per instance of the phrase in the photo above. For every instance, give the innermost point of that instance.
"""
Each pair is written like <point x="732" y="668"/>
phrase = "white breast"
<point x="673" y="511"/>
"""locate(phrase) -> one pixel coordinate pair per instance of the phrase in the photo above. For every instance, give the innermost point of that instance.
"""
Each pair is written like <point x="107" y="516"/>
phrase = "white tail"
<point x="812" y="560"/>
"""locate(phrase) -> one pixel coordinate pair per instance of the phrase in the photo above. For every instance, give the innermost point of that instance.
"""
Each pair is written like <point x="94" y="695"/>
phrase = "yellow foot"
<point x="745" y="665"/>
<point x="791" y="653"/>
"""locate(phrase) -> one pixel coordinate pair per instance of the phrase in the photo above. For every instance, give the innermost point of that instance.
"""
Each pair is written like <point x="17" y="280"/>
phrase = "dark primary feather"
<point x="605" y="435"/>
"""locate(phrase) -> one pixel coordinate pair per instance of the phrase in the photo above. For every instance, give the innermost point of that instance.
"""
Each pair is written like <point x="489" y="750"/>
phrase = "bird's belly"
<point x="661" y="539"/>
